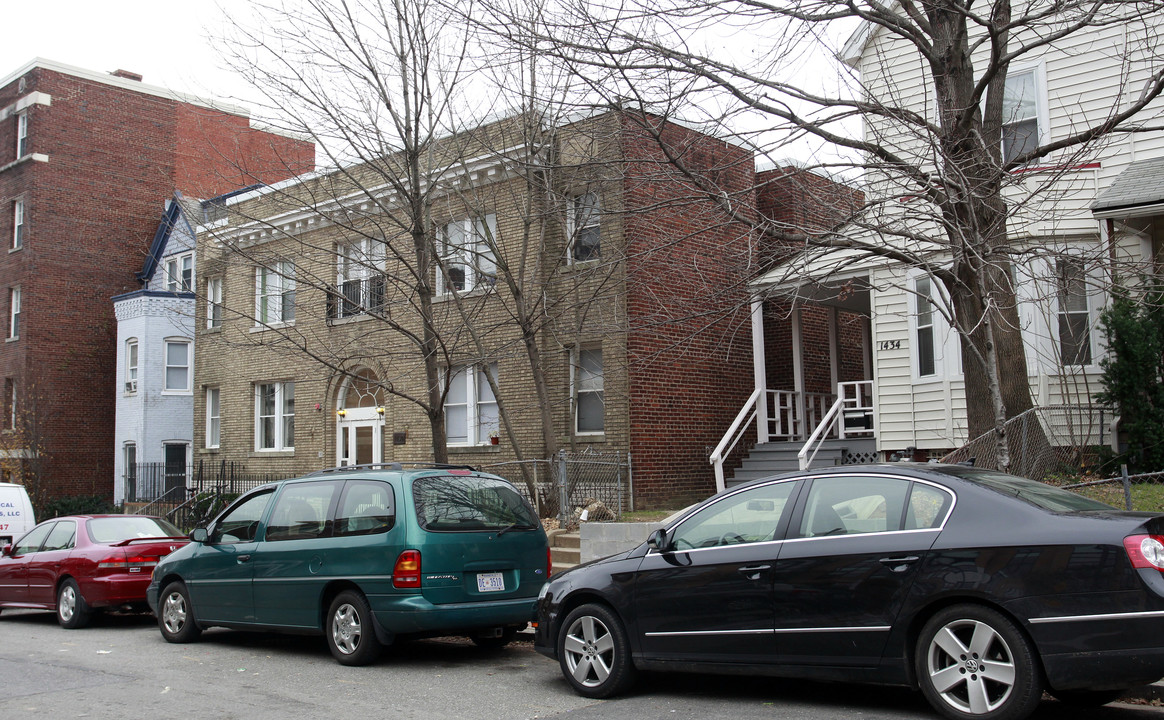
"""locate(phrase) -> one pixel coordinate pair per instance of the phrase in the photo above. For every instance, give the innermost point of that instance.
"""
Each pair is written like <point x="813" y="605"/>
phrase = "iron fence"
<point x="190" y="494"/>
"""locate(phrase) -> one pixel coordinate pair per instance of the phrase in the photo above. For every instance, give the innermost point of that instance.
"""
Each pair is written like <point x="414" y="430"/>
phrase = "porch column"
<point x="834" y="350"/>
<point x="759" y="369"/>
<point x="798" y="377"/>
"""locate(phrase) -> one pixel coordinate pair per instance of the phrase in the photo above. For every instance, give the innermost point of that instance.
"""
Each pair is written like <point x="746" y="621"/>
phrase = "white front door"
<point x="359" y="439"/>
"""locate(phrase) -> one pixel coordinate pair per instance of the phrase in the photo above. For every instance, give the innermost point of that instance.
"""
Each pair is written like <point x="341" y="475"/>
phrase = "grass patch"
<point x="647" y="515"/>
<point x="1148" y="497"/>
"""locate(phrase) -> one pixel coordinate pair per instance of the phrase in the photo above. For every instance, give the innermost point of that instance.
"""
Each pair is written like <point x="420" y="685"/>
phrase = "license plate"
<point x="490" y="582"/>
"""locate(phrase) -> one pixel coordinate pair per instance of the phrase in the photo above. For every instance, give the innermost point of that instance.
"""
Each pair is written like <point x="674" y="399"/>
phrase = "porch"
<point x="813" y="399"/>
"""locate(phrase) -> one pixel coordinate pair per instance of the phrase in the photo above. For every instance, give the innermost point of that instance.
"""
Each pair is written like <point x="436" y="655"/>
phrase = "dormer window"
<point x="180" y="273"/>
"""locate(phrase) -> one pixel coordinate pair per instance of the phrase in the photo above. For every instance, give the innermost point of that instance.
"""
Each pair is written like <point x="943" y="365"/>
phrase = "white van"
<point x="16" y="516"/>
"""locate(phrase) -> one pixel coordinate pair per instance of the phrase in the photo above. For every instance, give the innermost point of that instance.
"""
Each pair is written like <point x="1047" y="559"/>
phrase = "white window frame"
<point x="282" y="417"/>
<point x="180" y="273"/>
<point x="167" y="366"/>
<point x="275" y="283"/>
<point x="925" y="314"/>
<point x="577" y="389"/>
<point x="465" y="247"/>
<point x="213" y="417"/>
<point x="132" y="349"/>
<point x="21" y="134"/>
<point x="214" y="303"/>
<point x="576" y="205"/>
<point x="19" y="228"/>
<point x="15" y="302"/>
<point x="479" y="408"/>
<point x="359" y="273"/>
<point x="1041" y="117"/>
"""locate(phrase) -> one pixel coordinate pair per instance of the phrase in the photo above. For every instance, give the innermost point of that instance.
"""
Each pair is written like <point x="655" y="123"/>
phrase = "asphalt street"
<point x="121" y="668"/>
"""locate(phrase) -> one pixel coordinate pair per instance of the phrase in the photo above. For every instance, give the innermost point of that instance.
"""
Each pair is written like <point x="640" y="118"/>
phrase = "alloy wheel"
<point x="971" y="666"/>
<point x="590" y="651"/>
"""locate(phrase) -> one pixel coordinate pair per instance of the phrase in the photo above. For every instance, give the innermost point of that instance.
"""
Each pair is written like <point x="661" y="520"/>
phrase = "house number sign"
<point x="889" y="345"/>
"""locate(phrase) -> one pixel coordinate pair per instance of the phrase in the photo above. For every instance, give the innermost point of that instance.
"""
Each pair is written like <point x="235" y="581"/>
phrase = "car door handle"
<point x="753" y="571"/>
<point x="899" y="564"/>
<point x="247" y="558"/>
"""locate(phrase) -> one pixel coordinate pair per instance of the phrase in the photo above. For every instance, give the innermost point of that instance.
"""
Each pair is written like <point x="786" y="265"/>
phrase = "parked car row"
<point x="978" y="588"/>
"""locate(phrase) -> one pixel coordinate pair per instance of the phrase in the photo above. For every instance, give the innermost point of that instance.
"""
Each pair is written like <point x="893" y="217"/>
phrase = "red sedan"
<point x="81" y="563"/>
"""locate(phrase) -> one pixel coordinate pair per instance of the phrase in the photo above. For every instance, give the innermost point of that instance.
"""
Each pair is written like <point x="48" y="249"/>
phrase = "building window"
<point x="18" y="226"/>
<point x="589" y="397"/>
<point x="14" y="312"/>
<point x="275" y="293"/>
<point x="1020" y="114"/>
<point x="22" y="134"/>
<point x="9" y="404"/>
<point x="926" y="364"/>
<point x="180" y="273"/>
<point x="275" y="416"/>
<point x="177" y="365"/>
<point x="471" y="416"/>
<point x="212" y="417"/>
<point x="214" y="303"/>
<point x="1074" y="312"/>
<point x="467" y="258"/>
<point x="583" y="228"/>
<point x="131" y="365"/>
<point x="360" y="278"/>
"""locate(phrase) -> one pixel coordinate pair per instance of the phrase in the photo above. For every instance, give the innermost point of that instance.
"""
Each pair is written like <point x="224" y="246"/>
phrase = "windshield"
<point x="449" y="504"/>
<point x="1036" y="493"/>
<point x="116" y="529"/>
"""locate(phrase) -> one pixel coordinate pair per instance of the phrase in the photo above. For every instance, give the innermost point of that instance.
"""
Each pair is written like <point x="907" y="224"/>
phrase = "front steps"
<point x="775" y="458"/>
<point x="565" y="550"/>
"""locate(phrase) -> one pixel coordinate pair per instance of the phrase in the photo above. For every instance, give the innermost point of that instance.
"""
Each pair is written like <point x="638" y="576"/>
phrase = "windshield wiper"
<point x="515" y="526"/>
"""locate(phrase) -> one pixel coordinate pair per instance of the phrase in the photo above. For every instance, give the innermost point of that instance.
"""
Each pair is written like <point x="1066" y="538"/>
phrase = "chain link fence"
<point x="1045" y="441"/>
<point x="597" y="483"/>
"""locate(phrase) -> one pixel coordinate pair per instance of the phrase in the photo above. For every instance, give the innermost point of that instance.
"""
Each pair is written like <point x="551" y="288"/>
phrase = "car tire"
<point x="72" y="610"/>
<point x="1087" y="698"/>
<point x="594" y="652"/>
<point x="350" y="634"/>
<point x="973" y="663"/>
<point x="176" y="614"/>
<point x="495" y="643"/>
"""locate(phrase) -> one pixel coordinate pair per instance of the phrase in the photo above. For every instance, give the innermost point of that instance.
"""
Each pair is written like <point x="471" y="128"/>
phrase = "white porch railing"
<point x="787" y="419"/>
<point x="850" y="415"/>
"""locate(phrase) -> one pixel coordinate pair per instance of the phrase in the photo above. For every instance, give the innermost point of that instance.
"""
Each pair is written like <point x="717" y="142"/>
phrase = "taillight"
<point x="1146" y="551"/>
<point x="132" y="564"/>
<point x="406" y="574"/>
<point x="549" y="562"/>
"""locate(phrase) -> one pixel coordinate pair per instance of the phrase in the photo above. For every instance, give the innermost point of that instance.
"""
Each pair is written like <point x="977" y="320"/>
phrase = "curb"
<point x="1145" y="694"/>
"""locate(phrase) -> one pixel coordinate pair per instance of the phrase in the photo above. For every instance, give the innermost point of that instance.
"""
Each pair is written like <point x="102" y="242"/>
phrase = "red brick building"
<point x="87" y="160"/>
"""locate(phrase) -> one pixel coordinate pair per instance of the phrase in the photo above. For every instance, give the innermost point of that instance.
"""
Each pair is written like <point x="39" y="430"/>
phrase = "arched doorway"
<point x="360" y="420"/>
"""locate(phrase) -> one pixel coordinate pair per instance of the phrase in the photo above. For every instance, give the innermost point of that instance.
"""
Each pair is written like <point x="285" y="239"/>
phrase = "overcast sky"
<point x="165" y="42"/>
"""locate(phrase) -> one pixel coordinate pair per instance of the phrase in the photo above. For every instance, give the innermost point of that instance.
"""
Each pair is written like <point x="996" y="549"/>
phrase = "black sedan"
<point x="981" y="589"/>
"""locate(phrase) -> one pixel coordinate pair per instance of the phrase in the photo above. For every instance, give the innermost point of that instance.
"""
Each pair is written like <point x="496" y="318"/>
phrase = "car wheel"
<point x="1087" y="698"/>
<point x="594" y="653"/>
<point x="176" y="615"/>
<point x="972" y="662"/>
<point x="72" y="610"/>
<point x="350" y="634"/>
<point x="494" y="643"/>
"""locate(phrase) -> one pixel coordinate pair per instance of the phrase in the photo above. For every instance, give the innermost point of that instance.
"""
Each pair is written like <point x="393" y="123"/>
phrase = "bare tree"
<point x="945" y="167"/>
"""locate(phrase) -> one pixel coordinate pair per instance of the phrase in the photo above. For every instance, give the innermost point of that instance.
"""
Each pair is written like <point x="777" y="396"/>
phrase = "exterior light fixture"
<point x="380" y="410"/>
<point x="341" y="412"/>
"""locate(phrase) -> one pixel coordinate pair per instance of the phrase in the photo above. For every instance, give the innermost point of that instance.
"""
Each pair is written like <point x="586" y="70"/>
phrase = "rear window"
<point x="116" y="529"/>
<point x="450" y="504"/>
<point x="1036" y="493"/>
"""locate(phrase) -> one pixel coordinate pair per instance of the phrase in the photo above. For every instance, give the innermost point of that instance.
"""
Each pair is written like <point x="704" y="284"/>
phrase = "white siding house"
<point x="1086" y="216"/>
<point x="154" y="393"/>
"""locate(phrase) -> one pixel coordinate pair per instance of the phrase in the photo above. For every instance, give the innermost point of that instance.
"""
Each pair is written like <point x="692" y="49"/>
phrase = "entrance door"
<point x="359" y="442"/>
<point x="175" y="459"/>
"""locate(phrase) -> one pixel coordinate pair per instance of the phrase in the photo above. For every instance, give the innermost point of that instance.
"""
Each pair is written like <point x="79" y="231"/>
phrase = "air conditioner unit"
<point x="131" y="386"/>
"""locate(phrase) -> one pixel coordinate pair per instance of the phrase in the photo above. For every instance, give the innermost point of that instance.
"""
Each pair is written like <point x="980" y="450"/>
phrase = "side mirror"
<point x="198" y="535"/>
<point x="6" y="551"/>
<point x="658" y="540"/>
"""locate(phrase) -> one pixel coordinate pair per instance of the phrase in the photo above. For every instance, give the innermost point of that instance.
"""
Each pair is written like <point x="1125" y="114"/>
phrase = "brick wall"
<point x="689" y="341"/>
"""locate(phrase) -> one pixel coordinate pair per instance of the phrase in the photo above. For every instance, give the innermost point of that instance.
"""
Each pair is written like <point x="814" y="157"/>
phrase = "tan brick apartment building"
<point x="642" y="306"/>
<point x="87" y="161"/>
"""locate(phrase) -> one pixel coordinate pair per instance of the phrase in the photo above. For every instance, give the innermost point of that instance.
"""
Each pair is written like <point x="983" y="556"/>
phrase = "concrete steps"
<point x="565" y="550"/>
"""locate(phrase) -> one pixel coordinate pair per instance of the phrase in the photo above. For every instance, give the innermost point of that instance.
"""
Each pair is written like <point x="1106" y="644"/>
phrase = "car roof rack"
<point x="397" y="466"/>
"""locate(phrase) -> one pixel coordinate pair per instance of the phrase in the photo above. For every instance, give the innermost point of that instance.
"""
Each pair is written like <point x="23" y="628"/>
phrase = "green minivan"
<point x="362" y="555"/>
